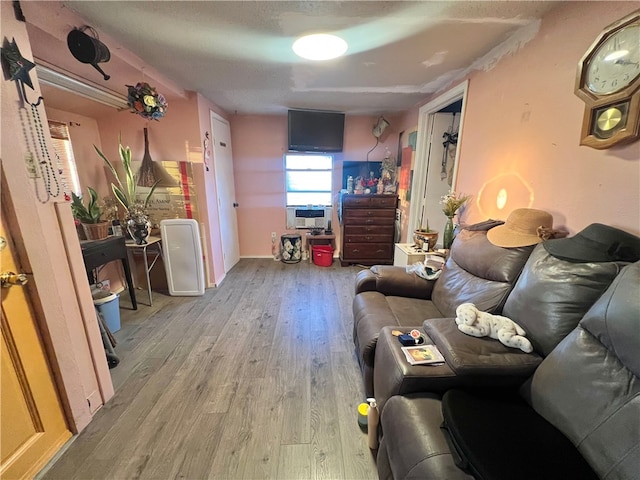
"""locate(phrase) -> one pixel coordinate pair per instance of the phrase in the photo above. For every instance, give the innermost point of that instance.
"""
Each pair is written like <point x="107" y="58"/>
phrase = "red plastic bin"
<point x="322" y="255"/>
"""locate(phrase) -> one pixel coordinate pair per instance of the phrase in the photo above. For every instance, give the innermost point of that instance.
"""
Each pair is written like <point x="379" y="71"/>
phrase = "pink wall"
<point x="169" y="139"/>
<point x="84" y="134"/>
<point x="60" y="294"/>
<point x="259" y="145"/>
<point x="522" y="131"/>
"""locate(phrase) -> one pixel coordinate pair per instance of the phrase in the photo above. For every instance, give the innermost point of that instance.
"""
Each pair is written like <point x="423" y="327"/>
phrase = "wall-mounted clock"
<point x="608" y="81"/>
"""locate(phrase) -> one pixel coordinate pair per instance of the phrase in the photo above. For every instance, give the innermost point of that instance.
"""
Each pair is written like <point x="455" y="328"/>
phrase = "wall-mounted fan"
<point x="87" y="48"/>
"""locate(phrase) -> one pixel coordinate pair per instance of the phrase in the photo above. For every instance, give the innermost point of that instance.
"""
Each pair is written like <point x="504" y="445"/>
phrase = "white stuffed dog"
<point x="473" y="322"/>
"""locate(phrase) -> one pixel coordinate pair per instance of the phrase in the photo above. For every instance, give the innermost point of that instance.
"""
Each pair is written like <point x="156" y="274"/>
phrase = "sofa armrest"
<point x="393" y="281"/>
<point x="413" y="445"/>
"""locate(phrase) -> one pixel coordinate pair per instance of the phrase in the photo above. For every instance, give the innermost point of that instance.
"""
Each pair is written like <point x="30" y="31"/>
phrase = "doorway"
<point x="225" y="187"/>
<point x="425" y="203"/>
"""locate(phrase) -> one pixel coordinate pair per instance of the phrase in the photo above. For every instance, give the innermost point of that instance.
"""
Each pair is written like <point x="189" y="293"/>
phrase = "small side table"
<point x="407" y="254"/>
<point x="311" y="240"/>
<point x="135" y="249"/>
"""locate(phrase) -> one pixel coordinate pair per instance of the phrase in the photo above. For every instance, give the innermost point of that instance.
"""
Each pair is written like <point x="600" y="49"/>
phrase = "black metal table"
<point x="99" y="252"/>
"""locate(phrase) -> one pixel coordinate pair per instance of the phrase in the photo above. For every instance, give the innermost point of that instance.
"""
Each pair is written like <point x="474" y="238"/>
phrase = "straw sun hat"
<point x="523" y="227"/>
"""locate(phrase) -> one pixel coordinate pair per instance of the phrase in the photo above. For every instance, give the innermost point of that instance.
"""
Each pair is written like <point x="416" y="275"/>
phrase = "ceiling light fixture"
<point x="319" y="46"/>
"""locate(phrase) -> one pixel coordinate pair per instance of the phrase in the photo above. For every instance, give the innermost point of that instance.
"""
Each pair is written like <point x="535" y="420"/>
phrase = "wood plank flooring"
<point x="257" y="379"/>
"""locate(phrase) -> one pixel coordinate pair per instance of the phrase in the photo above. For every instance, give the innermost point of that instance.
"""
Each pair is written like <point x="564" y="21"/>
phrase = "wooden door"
<point x="225" y="186"/>
<point x="32" y="423"/>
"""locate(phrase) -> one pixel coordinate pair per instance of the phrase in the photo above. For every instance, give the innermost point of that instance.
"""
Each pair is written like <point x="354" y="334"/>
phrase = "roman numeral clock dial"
<point x="608" y="81"/>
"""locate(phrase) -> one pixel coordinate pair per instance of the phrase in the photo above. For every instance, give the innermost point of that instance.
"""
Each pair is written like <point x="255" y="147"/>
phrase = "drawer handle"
<point x="369" y="213"/>
<point x="369" y="220"/>
<point x="369" y="237"/>
<point x="355" y="250"/>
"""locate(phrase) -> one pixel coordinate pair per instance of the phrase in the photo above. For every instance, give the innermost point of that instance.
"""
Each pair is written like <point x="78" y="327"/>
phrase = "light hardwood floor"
<point x="256" y="379"/>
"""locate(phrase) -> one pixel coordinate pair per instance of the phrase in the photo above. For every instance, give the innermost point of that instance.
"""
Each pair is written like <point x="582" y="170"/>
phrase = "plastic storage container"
<point x="109" y="307"/>
<point x="322" y="255"/>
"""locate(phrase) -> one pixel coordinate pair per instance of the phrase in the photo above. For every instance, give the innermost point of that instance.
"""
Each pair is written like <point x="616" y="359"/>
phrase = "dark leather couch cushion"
<point x="503" y="438"/>
<point x="467" y="355"/>
<point x="552" y="295"/>
<point x="478" y="272"/>
<point x="373" y="310"/>
<point x="413" y="445"/>
<point x="588" y="387"/>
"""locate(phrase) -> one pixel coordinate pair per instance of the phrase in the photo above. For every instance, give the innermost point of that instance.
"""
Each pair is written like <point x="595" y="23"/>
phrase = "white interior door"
<point x="426" y="116"/>
<point x="439" y="169"/>
<point x="225" y="186"/>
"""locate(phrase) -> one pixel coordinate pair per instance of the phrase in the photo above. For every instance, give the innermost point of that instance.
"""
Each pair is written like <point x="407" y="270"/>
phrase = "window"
<point x="308" y="179"/>
<point x="66" y="162"/>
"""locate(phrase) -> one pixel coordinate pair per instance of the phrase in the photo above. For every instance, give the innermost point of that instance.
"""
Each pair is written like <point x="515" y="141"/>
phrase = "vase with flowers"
<point x="144" y="100"/>
<point x="136" y="218"/>
<point x="451" y="203"/>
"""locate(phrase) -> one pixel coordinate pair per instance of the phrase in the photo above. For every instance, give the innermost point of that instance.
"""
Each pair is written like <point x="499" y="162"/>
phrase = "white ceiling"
<point x="238" y="53"/>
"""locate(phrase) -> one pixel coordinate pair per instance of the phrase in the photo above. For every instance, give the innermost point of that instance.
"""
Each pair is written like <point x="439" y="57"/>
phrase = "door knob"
<point x="8" y="279"/>
<point x="236" y="204"/>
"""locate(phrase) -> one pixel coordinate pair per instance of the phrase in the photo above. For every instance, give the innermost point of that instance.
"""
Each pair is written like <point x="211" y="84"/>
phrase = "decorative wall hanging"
<point x="16" y="68"/>
<point x="206" y="144"/>
<point x="87" y="48"/>
<point x="144" y="100"/>
<point x="39" y="163"/>
<point x="146" y="174"/>
<point x="450" y="138"/>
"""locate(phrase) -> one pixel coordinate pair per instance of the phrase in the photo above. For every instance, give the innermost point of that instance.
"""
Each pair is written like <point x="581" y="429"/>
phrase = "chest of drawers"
<point x="368" y="229"/>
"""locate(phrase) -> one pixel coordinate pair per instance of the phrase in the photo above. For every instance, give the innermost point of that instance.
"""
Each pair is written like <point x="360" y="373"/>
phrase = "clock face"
<point x="616" y="63"/>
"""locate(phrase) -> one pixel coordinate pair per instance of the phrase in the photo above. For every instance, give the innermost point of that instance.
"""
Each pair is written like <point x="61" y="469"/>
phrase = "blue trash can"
<point x="109" y="307"/>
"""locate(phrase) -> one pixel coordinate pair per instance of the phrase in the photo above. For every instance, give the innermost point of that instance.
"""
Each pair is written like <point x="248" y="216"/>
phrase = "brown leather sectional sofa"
<point x="548" y="297"/>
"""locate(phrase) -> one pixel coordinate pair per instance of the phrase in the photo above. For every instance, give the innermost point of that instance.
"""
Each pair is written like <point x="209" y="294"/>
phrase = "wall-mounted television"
<point x="315" y="131"/>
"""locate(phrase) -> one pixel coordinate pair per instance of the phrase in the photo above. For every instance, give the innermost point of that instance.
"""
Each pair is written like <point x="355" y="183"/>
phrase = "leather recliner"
<point x="476" y="271"/>
<point x="583" y="398"/>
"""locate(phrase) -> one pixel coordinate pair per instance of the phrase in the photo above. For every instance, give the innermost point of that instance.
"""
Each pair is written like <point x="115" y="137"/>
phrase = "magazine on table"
<point x="423" y="355"/>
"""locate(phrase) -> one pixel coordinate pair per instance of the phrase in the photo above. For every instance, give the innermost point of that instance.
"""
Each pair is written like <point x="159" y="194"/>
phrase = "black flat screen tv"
<point x="315" y="131"/>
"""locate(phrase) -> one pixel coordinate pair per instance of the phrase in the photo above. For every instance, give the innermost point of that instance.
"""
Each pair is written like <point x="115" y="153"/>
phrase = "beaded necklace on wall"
<point x="39" y="158"/>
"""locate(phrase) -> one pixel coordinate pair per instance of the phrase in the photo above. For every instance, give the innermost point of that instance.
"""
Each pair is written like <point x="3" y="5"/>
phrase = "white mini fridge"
<point x="182" y="257"/>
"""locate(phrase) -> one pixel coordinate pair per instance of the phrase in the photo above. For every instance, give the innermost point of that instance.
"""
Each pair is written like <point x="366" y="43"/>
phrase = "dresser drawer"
<point x="368" y="238"/>
<point x="367" y="250"/>
<point x="363" y="216"/>
<point x="388" y="230"/>
<point x="366" y="201"/>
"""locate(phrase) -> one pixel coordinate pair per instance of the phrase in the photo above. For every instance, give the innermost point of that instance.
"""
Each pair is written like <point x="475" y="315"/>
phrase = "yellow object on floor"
<point x="363" y="410"/>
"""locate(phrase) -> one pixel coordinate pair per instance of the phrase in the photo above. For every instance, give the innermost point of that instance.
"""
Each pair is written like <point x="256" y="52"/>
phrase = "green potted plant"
<point x="90" y="216"/>
<point x="425" y="234"/>
<point x="125" y="192"/>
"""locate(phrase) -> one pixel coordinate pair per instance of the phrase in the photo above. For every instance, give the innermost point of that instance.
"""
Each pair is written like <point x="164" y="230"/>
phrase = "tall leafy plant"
<point x="90" y="213"/>
<point x="125" y="192"/>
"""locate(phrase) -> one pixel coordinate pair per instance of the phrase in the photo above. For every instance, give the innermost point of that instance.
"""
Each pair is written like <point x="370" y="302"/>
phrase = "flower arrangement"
<point x="452" y="202"/>
<point x="144" y="100"/>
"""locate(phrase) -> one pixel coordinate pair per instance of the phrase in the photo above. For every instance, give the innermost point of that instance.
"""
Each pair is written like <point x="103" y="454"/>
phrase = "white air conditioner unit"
<point x="305" y="217"/>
